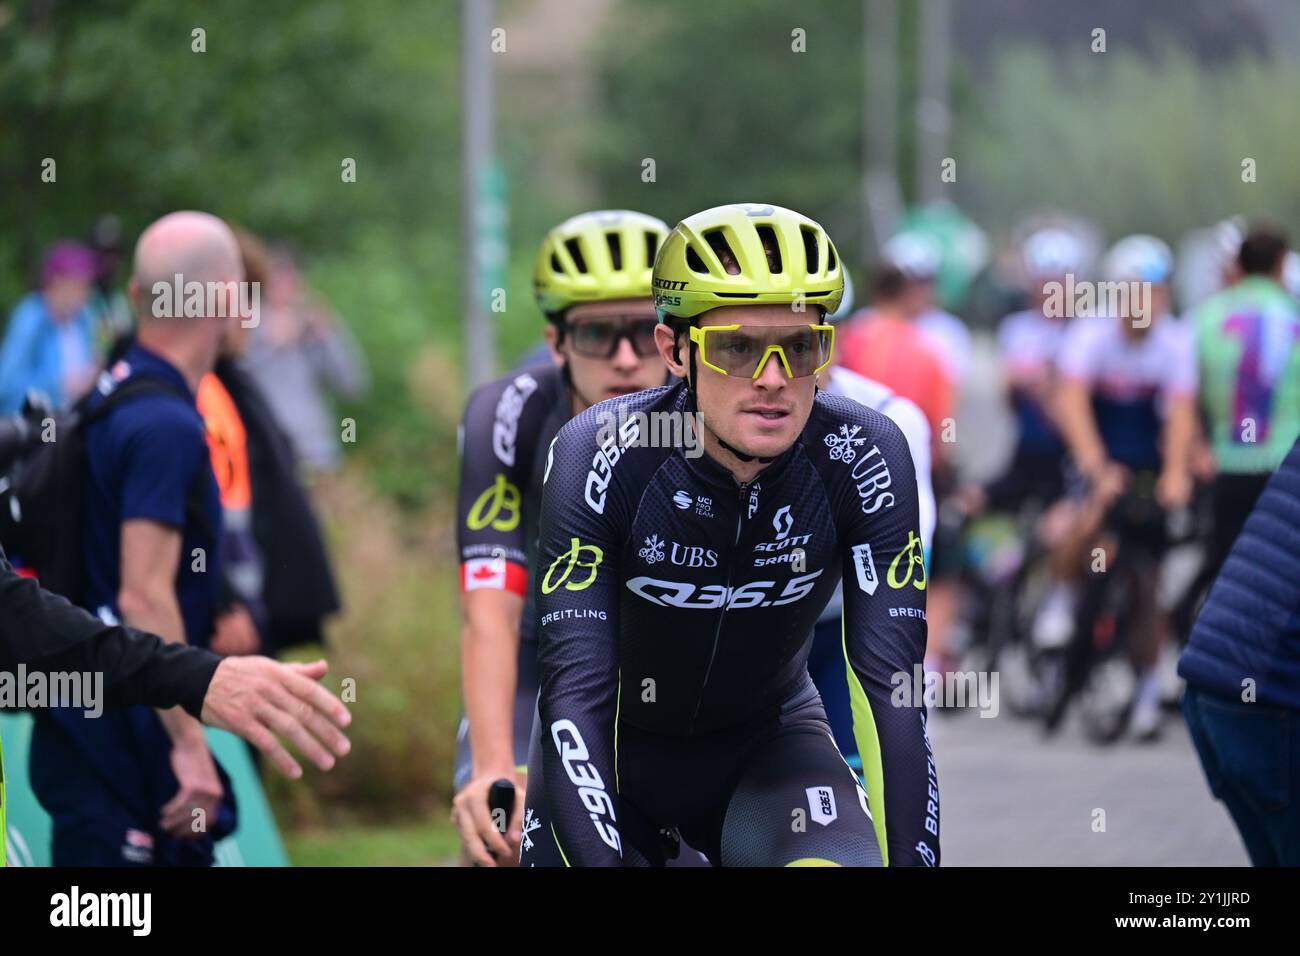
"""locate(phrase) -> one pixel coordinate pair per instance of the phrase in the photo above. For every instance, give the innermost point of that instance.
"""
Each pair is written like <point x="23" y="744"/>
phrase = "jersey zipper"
<point x="717" y="633"/>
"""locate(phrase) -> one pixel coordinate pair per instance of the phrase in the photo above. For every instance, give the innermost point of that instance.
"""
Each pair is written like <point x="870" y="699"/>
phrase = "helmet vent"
<point x="555" y="264"/>
<point x="722" y="250"/>
<point x="810" y="248"/>
<point x="695" y="262"/>
<point x="575" y="250"/>
<point x="771" y="248"/>
<point x="615" y="250"/>
<point x="830" y="257"/>
<point x="651" y="247"/>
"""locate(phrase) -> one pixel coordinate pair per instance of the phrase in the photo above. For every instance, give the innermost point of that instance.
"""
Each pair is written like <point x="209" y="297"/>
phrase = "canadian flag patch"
<point x="496" y="574"/>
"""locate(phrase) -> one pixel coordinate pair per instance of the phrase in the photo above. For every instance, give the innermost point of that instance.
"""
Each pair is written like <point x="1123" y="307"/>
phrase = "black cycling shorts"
<point x="772" y="792"/>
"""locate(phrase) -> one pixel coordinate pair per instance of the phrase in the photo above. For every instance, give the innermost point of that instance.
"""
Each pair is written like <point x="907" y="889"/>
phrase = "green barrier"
<point x="27" y="829"/>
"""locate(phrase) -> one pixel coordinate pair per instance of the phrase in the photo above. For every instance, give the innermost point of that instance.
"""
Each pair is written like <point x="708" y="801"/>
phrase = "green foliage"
<point x="715" y="95"/>
<point x="1140" y="144"/>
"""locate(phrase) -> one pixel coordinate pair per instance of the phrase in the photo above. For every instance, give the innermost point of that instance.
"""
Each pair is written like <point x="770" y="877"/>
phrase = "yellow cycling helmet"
<point x="596" y="256"/>
<point x="745" y="254"/>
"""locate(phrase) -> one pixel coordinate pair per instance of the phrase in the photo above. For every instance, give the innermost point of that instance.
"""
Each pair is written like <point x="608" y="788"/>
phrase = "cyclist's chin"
<point x="766" y="438"/>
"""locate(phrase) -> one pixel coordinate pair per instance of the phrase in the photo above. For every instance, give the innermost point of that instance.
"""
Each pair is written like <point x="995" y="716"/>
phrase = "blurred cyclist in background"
<point x="882" y="342"/>
<point x="1028" y="343"/>
<point x="1127" y="408"/>
<point x="592" y="282"/>
<point x="1246" y="343"/>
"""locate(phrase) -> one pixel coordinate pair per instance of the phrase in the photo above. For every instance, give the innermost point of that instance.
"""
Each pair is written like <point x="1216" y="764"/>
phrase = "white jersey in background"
<point x="1028" y="342"/>
<point x="911" y="421"/>
<point x="951" y="340"/>
<point x="1158" y="366"/>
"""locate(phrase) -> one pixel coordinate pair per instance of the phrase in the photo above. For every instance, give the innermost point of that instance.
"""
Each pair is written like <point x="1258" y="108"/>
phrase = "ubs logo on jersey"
<point x="685" y="556"/>
<point x="692" y="556"/>
<point x="872" y="476"/>
<point x="842" y="445"/>
<point x="653" y="552"/>
<point x="506" y="428"/>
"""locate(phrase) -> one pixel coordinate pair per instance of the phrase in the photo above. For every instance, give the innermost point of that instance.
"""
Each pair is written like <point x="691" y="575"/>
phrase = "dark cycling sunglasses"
<point x="600" y="338"/>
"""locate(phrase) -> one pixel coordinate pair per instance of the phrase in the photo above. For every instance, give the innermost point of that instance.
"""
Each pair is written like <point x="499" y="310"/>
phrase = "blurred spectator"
<point x="1250" y="380"/>
<point x="126" y="788"/>
<point x="109" y="303"/>
<point x="279" y="584"/>
<point x="920" y="258"/>
<point x="49" y="344"/>
<point x="1242" y="667"/>
<point x="299" y="354"/>
<point x="882" y="343"/>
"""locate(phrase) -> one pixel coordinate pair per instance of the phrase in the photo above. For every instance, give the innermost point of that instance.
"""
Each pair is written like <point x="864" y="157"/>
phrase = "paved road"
<point x="1011" y="798"/>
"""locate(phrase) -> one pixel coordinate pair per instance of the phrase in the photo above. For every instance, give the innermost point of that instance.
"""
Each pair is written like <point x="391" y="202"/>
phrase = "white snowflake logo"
<point x="531" y="823"/>
<point x="653" y="551"/>
<point x="841" y="445"/>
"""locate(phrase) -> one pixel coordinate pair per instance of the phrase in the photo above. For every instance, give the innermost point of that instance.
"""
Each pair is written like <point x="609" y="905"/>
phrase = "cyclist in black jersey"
<point x="677" y="593"/>
<point x="592" y="282"/>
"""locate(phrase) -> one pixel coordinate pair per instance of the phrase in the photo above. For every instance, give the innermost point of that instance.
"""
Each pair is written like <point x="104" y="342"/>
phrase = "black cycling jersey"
<point x="675" y="602"/>
<point x="508" y="423"/>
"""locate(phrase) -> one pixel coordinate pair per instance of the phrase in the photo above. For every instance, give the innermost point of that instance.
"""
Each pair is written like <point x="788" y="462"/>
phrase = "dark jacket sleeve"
<point x="43" y="631"/>
<point x="298" y="589"/>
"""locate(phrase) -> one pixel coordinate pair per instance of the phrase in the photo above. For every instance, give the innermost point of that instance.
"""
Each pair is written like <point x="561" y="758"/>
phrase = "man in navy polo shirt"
<point x="139" y="787"/>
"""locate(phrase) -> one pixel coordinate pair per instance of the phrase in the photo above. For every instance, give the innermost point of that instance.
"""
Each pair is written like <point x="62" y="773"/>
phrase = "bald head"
<point x="194" y="245"/>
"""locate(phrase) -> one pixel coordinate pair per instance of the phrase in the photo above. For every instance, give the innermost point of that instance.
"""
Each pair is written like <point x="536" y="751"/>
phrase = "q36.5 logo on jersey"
<point x="497" y="506"/>
<point x="506" y="428"/>
<point x="754" y="594"/>
<point x="606" y="457"/>
<point x="566" y="563"/>
<point x="582" y="773"/>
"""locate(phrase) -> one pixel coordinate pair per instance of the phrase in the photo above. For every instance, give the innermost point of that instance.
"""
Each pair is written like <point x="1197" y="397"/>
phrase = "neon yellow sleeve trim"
<point x="555" y="836"/>
<point x="864" y="732"/>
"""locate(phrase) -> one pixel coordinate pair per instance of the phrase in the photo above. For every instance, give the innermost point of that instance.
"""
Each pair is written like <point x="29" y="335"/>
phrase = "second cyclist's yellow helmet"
<point x="596" y="256"/>
<point x="745" y="254"/>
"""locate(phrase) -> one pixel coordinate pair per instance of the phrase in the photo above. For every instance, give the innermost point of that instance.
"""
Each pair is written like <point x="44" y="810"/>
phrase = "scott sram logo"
<point x="782" y="523"/>
<point x="754" y="594"/>
<point x="570" y="560"/>
<point x="583" y="774"/>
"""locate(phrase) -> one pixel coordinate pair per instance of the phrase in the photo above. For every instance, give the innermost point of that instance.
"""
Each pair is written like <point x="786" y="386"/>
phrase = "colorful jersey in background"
<point x="1246" y="342"/>
<point x="1131" y="379"/>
